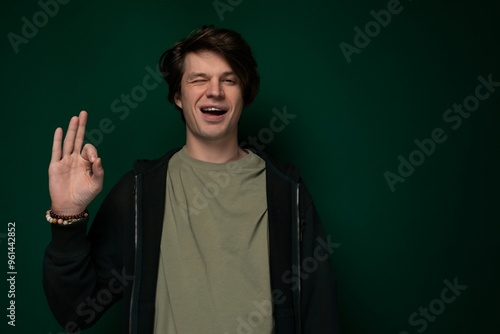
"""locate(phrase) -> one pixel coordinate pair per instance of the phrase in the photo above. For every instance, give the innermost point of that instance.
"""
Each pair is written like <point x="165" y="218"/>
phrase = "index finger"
<point x="80" y="133"/>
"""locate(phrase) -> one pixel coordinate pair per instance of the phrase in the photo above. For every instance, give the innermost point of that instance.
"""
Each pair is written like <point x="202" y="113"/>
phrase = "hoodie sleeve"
<point x="318" y="292"/>
<point x="83" y="274"/>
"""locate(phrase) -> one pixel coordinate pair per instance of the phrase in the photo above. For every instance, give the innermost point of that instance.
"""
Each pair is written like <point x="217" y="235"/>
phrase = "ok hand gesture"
<point x="75" y="174"/>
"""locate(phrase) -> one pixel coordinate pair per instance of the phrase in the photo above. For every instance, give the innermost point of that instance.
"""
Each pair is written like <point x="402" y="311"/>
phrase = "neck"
<point x="216" y="151"/>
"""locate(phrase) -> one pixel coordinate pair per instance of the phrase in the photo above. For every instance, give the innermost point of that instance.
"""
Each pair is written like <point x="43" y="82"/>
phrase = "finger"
<point x="69" y="140"/>
<point x="89" y="153"/>
<point x="56" y="145"/>
<point x="80" y="133"/>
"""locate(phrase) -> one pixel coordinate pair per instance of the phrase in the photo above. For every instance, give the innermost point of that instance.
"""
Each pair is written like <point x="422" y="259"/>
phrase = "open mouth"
<point x="213" y="114"/>
<point x="213" y="111"/>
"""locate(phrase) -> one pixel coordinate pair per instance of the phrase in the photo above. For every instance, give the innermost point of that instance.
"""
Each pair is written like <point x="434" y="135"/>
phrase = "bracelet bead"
<point x="54" y="218"/>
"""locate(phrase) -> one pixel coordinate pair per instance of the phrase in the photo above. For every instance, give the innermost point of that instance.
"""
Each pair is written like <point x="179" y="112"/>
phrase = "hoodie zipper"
<point x="298" y="240"/>
<point x="135" y="252"/>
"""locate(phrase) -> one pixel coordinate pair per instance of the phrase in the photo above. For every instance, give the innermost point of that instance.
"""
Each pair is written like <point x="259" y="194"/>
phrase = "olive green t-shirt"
<point x="213" y="273"/>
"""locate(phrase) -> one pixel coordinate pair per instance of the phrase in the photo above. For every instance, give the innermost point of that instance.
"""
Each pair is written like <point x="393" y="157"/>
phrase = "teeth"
<point x="211" y="109"/>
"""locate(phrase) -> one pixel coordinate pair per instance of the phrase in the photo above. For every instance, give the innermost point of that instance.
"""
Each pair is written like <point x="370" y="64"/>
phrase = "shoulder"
<point x="277" y="167"/>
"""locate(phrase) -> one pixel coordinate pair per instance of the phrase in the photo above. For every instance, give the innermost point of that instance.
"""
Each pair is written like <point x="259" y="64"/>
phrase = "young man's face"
<point x="210" y="97"/>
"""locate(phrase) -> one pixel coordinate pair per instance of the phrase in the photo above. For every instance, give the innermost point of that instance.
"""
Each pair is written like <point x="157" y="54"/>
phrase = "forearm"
<point x="81" y="276"/>
<point x="68" y="275"/>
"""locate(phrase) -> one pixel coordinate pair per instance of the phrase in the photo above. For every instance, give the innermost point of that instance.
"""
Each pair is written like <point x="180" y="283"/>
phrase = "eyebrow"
<point x="193" y="75"/>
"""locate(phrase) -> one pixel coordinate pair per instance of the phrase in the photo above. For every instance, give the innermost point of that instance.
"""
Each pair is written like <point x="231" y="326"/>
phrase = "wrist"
<point x="67" y="210"/>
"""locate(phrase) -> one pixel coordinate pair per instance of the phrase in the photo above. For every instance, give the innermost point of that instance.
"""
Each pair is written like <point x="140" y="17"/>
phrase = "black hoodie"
<point x="84" y="274"/>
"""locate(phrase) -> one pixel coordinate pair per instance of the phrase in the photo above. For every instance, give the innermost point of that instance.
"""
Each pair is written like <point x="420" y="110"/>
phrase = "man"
<point x="209" y="238"/>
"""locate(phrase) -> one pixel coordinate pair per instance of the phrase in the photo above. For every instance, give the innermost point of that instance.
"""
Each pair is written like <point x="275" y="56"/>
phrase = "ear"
<point x="178" y="100"/>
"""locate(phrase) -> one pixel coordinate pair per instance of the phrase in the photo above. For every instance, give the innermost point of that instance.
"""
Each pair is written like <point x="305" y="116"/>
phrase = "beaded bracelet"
<point x="54" y="218"/>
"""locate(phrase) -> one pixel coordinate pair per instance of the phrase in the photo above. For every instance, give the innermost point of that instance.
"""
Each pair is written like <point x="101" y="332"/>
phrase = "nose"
<point x="214" y="89"/>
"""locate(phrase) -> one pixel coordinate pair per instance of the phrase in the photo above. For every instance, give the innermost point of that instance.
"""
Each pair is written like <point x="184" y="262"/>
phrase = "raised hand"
<point x="75" y="175"/>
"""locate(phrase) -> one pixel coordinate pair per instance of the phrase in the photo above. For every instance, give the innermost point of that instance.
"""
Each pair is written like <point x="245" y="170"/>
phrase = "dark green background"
<point x="352" y="122"/>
